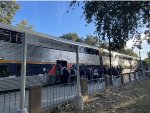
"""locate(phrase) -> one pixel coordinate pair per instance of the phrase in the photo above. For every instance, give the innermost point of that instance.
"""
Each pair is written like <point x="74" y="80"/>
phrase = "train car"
<point x="40" y="60"/>
<point x="128" y="63"/>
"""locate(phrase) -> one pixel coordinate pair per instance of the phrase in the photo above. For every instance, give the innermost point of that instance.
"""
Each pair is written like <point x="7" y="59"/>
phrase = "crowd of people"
<point x="65" y="75"/>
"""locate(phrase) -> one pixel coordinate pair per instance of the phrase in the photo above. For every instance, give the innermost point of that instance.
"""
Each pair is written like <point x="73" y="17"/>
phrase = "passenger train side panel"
<point x="13" y="52"/>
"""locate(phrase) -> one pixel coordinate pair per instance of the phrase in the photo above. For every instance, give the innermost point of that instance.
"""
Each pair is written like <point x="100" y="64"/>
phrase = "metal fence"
<point x="55" y="95"/>
<point x="116" y="81"/>
<point x="12" y="83"/>
<point x="58" y="94"/>
<point x="10" y="101"/>
<point x="96" y="85"/>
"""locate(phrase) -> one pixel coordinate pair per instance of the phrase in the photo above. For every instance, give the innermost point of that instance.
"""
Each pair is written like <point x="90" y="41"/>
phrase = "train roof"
<point x="42" y="35"/>
<point x="121" y="54"/>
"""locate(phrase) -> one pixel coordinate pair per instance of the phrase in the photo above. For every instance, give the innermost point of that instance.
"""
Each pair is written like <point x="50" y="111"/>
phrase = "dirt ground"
<point x="130" y="98"/>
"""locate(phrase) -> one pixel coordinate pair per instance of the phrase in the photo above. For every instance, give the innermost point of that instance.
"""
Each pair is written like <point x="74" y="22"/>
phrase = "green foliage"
<point x="7" y="10"/>
<point x="24" y="24"/>
<point x="147" y="61"/>
<point x="129" y="52"/>
<point x="104" y="45"/>
<point x="117" y="20"/>
<point x="148" y="54"/>
<point x="71" y="36"/>
<point x="80" y="40"/>
<point x="91" y="40"/>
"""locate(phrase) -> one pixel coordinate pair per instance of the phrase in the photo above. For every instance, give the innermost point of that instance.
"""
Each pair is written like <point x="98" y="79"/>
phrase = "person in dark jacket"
<point x="88" y="72"/>
<point x="82" y="72"/>
<point x="100" y="71"/>
<point x="72" y="75"/>
<point x="65" y="74"/>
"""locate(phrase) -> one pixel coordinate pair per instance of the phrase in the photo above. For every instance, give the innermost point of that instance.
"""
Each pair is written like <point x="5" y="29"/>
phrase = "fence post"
<point x="139" y="74"/>
<point x="106" y="81"/>
<point x="78" y="98"/>
<point x="84" y="87"/>
<point x="122" y="79"/>
<point x="129" y="77"/>
<point x="35" y="96"/>
<point x="135" y="75"/>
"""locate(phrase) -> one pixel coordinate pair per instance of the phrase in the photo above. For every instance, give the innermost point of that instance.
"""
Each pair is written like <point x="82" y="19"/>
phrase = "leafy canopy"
<point x="117" y="20"/>
<point x="91" y="40"/>
<point x="24" y="24"/>
<point x="7" y="10"/>
<point x="129" y="52"/>
<point x="72" y="36"/>
<point x="148" y="54"/>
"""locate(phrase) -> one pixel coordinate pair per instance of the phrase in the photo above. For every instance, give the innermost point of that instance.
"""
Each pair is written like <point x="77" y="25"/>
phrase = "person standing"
<point x="65" y="74"/>
<point x="72" y="74"/>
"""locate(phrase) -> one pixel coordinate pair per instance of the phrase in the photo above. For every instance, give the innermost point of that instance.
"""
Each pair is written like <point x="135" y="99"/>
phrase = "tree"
<point x="116" y="20"/>
<point x="24" y="24"/>
<point x="7" y="11"/>
<point x="104" y="45"/>
<point x="129" y="52"/>
<point x="80" y="40"/>
<point x="148" y="54"/>
<point x="71" y="36"/>
<point x="91" y="40"/>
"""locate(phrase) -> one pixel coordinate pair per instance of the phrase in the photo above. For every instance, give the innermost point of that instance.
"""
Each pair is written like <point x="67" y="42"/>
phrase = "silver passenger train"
<point x="40" y="60"/>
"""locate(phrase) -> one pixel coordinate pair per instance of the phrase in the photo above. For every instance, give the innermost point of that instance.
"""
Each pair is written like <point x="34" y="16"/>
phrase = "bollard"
<point x="35" y="95"/>
<point x="84" y="88"/>
<point x="78" y="103"/>
<point x="106" y="81"/>
<point x="122" y="79"/>
<point x="129" y="77"/>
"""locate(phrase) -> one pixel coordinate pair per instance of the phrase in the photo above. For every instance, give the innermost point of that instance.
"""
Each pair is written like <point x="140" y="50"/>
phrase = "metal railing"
<point x="96" y="85"/>
<point x="57" y="94"/>
<point x="54" y="95"/>
<point x="10" y="101"/>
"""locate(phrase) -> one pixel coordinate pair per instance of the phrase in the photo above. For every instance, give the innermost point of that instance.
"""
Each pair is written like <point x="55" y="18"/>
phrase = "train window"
<point x="88" y="51"/>
<point x="19" y="37"/>
<point x="5" y="35"/>
<point x="13" y="37"/>
<point x="103" y="54"/>
<point x="85" y="50"/>
<point x="96" y="52"/>
<point x="4" y="71"/>
<point x="82" y="50"/>
<point x="62" y="62"/>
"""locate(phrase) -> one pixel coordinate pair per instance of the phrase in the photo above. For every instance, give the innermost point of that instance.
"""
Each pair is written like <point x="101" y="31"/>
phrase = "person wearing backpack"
<point x="65" y="74"/>
<point x="72" y="74"/>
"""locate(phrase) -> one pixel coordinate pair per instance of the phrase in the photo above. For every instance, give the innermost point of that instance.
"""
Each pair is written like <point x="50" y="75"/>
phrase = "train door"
<point x="62" y="63"/>
<point x="59" y="64"/>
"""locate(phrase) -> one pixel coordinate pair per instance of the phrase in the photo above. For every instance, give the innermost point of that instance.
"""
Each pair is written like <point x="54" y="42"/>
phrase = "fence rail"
<point x="55" y="95"/>
<point x="58" y="94"/>
<point x="9" y="102"/>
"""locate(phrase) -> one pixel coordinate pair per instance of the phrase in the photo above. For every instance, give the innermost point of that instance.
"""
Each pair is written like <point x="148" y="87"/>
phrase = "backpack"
<point x="65" y="72"/>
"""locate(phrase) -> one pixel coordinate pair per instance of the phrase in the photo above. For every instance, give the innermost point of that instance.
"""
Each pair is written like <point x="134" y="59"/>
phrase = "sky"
<point x="51" y="17"/>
